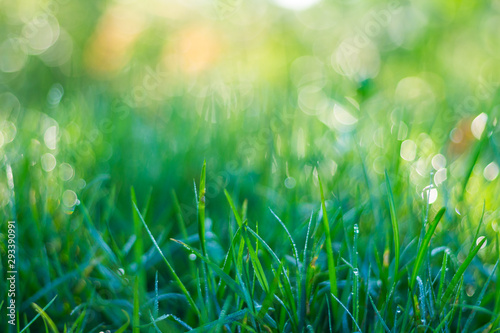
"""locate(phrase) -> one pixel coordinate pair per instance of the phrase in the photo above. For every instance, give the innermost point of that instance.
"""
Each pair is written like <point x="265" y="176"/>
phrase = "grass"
<point x="262" y="284"/>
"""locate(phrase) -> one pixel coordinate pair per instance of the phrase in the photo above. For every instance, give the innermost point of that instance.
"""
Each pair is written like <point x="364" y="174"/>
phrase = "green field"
<point x="236" y="166"/>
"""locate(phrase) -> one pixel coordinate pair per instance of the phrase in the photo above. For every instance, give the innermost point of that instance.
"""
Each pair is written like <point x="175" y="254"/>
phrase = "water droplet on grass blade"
<point x="430" y="194"/>
<point x="479" y="241"/>
<point x="478" y="124"/>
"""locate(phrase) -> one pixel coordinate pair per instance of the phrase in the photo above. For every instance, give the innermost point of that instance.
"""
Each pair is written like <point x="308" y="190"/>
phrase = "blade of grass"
<point x="97" y="237"/>
<point x="395" y="226"/>
<point x="124" y="326"/>
<point x="449" y="315"/>
<point x="170" y="268"/>
<point x="332" y="275"/>
<point x="267" y="302"/>
<point x="305" y="265"/>
<point x="480" y="298"/>
<point x="461" y="270"/>
<point x="384" y="325"/>
<point x="135" y="316"/>
<point x="286" y="285"/>
<point x="227" y="279"/>
<point x="478" y="226"/>
<point x="261" y="277"/>
<point x="178" y="214"/>
<point x="355" y="271"/>
<point x="297" y="266"/>
<point x="139" y="240"/>
<point x="443" y="275"/>
<point x="472" y="163"/>
<point x="424" y="246"/>
<point x="347" y="311"/>
<point x="223" y="315"/>
<point x="38" y="314"/>
<point x="48" y="321"/>
<point x="201" y="210"/>
<point x="76" y="327"/>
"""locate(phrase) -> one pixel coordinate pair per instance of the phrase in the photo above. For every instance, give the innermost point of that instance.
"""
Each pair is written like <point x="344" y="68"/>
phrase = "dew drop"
<point x="430" y="193"/>
<point x="479" y="241"/>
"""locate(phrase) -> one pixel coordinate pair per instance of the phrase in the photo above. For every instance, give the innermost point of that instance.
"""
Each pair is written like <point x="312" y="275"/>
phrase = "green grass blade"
<point x="286" y="284"/>
<point x="135" y="315"/>
<point x="139" y="241"/>
<point x="223" y="314"/>
<point x="478" y="226"/>
<point x="266" y="303"/>
<point x="384" y="325"/>
<point x="38" y="314"/>
<point x="259" y="271"/>
<point x="332" y="275"/>
<point x="201" y="210"/>
<point x="124" y="326"/>
<point x="473" y="160"/>
<point x="297" y="266"/>
<point x="449" y="316"/>
<point x="156" y="299"/>
<point x="347" y="311"/>
<point x="233" y="208"/>
<point x="228" y="319"/>
<point x="424" y="246"/>
<point x="305" y="266"/>
<point x="355" y="271"/>
<point x="290" y="238"/>
<point x="443" y="275"/>
<point x="480" y="298"/>
<point x="226" y="266"/>
<point x="76" y="327"/>
<point x="170" y="268"/>
<point x="461" y="270"/>
<point x="97" y="236"/>
<point x="395" y="226"/>
<point x="227" y="279"/>
<point x="48" y="321"/>
<point x="178" y="215"/>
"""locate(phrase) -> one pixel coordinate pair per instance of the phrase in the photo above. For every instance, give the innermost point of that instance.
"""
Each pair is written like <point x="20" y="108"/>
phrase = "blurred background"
<point x="99" y="96"/>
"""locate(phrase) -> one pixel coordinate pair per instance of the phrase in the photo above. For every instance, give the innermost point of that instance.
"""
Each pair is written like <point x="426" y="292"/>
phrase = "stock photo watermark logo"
<point x="483" y="92"/>
<point x="226" y="8"/>
<point x="358" y="55"/>
<point x="214" y="98"/>
<point x="149" y="87"/>
<point x="39" y="33"/>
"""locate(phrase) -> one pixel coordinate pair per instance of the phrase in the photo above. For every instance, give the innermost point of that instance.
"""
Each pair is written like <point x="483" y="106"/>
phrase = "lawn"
<point x="233" y="166"/>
